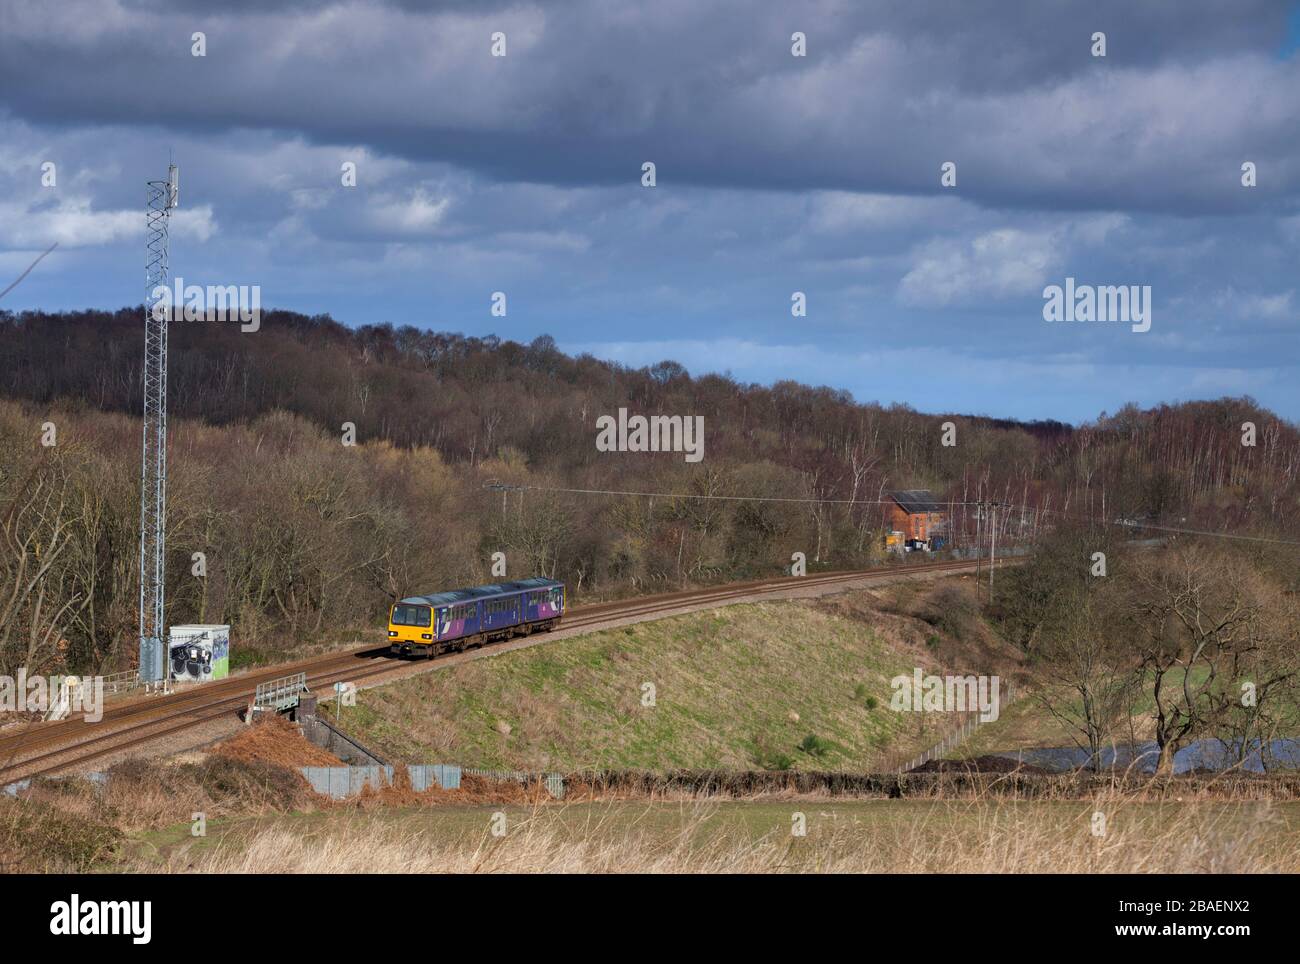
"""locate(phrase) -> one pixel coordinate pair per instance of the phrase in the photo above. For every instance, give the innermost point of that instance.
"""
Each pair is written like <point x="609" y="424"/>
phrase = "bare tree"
<point x="1196" y="619"/>
<point x="36" y="598"/>
<point x="1082" y="654"/>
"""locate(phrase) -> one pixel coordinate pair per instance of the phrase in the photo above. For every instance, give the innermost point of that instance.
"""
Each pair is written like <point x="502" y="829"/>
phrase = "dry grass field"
<point x="700" y="836"/>
<point x="737" y="690"/>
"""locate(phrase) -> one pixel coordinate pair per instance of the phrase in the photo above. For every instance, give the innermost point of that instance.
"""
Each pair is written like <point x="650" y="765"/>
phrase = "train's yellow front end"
<point x="410" y="629"/>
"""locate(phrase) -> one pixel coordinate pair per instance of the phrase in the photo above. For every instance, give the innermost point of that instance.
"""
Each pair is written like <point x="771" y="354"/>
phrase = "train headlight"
<point x="426" y="635"/>
<point x="392" y="632"/>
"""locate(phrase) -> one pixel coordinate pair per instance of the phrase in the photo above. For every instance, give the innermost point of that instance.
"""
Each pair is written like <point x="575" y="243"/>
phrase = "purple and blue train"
<point x="456" y="620"/>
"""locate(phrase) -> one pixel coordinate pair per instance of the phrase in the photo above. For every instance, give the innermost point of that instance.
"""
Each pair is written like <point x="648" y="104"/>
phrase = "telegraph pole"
<point x="505" y="488"/>
<point x="993" y="543"/>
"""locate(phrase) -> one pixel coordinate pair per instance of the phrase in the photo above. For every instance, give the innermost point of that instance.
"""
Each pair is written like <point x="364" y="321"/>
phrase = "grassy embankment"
<point x="779" y="685"/>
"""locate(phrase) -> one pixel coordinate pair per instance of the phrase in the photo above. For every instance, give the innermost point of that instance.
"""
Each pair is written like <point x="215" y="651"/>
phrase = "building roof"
<point x="914" y="501"/>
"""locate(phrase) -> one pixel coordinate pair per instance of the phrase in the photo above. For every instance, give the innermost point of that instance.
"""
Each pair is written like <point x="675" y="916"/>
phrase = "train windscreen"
<point x="405" y="614"/>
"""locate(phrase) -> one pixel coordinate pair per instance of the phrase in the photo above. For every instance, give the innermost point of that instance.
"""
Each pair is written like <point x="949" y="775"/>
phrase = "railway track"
<point x="45" y="749"/>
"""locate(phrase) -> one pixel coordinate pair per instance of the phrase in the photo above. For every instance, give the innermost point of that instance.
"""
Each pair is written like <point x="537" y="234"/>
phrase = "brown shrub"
<point x="275" y="740"/>
<point x="35" y="838"/>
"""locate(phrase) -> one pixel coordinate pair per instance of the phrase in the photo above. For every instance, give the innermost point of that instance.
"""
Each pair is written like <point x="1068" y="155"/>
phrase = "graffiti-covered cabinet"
<point x="199" y="653"/>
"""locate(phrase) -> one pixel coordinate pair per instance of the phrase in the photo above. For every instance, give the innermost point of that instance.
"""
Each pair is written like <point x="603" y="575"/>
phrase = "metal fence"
<point x="115" y="683"/>
<point x="554" y="781"/>
<point x="72" y="691"/>
<point x="342" y="782"/>
<point x="339" y="783"/>
<point x="954" y="737"/>
<point x="280" y="694"/>
<point x="425" y="776"/>
<point x="336" y="782"/>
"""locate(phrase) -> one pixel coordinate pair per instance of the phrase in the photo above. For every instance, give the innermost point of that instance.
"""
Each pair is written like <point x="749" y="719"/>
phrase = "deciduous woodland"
<point x="303" y="538"/>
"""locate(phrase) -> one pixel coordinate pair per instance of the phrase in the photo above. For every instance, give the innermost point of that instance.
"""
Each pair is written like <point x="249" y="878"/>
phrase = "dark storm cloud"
<point x="590" y="90"/>
<point x="776" y="174"/>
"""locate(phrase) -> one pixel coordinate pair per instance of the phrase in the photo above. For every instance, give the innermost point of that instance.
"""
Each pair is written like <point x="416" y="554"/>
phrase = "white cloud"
<point x="1007" y="262"/>
<point x="834" y="212"/>
<point x="1247" y="306"/>
<point x="71" y="223"/>
<point x="416" y="214"/>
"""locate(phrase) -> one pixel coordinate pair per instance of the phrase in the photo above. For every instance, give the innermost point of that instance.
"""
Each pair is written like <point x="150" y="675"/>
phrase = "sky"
<point x="774" y="174"/>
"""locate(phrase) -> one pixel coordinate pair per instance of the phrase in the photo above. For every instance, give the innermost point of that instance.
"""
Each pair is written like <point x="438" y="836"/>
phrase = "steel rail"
<point x="135" y="723"/>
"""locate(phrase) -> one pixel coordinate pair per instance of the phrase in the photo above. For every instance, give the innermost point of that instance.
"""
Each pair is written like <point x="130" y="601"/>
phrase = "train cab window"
<point x="410" y="615"/>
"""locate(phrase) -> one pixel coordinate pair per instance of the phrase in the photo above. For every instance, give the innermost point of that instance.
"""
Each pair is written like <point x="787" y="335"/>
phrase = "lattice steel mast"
<point x="153" y="472"/>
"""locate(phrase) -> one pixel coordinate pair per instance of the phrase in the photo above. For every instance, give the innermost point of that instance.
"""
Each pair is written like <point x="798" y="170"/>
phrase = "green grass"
<point x="725" y="685"/>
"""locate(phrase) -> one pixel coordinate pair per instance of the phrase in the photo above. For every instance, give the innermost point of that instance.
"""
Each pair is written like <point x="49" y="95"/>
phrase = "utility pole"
<point x="162" y="199"/>
<point x="993" y="544"/>
<point x="505" y="488"/>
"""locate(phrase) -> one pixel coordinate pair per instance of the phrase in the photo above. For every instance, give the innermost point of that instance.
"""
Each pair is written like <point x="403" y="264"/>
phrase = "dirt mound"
<point x="275" y="740"/>
<point x="980" y="764"/>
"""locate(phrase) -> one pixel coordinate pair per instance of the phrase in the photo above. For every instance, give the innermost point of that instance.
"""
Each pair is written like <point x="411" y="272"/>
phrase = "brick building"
<point x="913" y="516"/>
